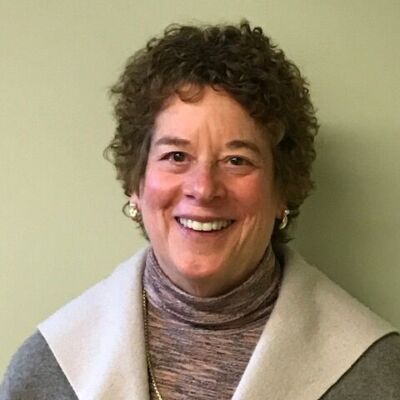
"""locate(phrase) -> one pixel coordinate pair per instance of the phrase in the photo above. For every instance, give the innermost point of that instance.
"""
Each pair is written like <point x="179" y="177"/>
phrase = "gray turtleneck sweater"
<point x="200" y="347"/>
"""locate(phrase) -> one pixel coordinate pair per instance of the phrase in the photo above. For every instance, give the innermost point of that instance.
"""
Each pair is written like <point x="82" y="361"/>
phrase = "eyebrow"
<point x="238" y="144"/>
<point x="234" y="144"/>
<point x="172" y="140"/>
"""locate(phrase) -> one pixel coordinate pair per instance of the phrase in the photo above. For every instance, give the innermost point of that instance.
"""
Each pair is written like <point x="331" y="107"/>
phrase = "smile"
<point x="204" y="226"/>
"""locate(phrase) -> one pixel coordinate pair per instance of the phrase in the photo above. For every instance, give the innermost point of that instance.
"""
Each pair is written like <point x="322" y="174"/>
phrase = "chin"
<point x="198" y="271"/>
<point x="199" y="267"/>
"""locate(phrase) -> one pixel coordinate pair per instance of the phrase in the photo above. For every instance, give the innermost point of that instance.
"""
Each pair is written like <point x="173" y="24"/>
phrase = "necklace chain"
<point x="147" y="347"/>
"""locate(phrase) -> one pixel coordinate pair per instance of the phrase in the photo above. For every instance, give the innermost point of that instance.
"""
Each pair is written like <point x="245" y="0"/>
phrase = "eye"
<point x="238" y="161"/>
<point x="176" y="157"/>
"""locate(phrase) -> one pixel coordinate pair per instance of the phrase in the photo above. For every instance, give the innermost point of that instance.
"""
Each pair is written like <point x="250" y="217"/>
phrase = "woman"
<point x="214" y="146"/>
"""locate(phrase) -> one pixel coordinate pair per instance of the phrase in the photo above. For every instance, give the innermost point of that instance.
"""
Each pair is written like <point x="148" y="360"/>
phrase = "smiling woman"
<point x="214" y="146"/>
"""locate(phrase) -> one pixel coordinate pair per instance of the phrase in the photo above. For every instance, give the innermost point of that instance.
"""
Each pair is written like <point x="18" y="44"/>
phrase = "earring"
<point x="285" y="219"/>
<point x="134" y="212"/>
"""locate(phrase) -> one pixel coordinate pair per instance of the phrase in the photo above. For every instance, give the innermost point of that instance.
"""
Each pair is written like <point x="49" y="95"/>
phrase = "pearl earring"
<point x="134" y="212"/>
<point x="285" y="219"/>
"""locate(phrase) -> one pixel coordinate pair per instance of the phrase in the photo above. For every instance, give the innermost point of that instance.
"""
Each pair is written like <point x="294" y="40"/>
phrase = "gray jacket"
<point x="319" y="343"/>
<point x="34" y="374"/>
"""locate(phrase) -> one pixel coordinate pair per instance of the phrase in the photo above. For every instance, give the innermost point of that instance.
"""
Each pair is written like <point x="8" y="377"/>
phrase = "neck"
<point x="247" y="302"/>
<point x="215" y="282"/>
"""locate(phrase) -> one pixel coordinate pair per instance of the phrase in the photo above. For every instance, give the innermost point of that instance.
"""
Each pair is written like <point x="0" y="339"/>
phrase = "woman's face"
<point x="208" y="198"/>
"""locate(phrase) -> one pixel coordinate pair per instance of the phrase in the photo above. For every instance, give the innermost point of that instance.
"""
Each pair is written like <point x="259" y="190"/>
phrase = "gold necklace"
<point x="146" y="339"/>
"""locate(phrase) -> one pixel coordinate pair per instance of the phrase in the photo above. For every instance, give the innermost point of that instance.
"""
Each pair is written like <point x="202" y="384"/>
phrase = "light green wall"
<point x="61" y="228"/>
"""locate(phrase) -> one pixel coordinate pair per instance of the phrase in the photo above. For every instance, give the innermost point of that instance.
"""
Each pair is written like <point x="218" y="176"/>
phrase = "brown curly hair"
<point x="237" y="59"/>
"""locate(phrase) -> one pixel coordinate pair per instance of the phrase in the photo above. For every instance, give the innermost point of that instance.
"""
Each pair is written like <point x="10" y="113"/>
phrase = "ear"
<point x="281" y="206"/>
<point x="135" y="197"/>
<point x="280" y="212"/>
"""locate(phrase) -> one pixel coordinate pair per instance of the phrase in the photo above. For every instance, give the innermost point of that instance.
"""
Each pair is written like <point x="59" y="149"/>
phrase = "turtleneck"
<point x="245" y="304"/>
<point x="199" y="347"/>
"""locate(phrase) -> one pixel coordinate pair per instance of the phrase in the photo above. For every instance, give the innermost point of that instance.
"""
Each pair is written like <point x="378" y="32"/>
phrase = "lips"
<point x="204" y="226"/>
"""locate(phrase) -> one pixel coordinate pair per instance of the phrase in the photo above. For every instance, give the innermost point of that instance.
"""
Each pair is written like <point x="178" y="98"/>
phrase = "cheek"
<point x="159" y="191"/>
<point x="256" y="194"/>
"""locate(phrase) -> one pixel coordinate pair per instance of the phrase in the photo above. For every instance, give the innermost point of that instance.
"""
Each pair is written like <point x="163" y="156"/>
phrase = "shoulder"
<point x="375" y="375"/>
<point x="354" y="351"/>
<point x="34" y="374"/>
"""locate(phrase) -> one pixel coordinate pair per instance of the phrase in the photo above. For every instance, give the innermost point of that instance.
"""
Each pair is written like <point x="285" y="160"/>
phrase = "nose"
<point x="204" y="183"/>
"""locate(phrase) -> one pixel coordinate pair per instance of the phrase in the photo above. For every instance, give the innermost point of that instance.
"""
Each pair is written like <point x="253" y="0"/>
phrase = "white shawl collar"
<point x="314" y="335"/>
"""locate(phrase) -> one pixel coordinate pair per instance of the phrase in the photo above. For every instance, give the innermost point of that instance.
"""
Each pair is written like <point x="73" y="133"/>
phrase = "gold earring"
<point x="285" y="219"/>
<point x="134" y="212"/>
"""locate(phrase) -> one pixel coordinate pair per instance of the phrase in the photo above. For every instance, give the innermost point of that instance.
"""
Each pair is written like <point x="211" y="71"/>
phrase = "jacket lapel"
<point x="314" y="335"/>
<point x="98" y="338"/>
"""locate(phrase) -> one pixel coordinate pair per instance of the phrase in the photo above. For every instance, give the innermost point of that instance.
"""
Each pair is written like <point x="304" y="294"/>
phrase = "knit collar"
<point x="247" y="303"/>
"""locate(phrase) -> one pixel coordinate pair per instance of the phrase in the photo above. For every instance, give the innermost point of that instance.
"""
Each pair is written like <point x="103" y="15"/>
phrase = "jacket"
<point x="315" y="339"/>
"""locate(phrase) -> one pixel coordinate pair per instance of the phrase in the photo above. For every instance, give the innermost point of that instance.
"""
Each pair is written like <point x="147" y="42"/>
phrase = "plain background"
<point x="61" y="226"/>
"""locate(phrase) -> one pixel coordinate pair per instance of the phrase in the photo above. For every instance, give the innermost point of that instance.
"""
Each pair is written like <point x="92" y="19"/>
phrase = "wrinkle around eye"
<point x="244" y="167"/>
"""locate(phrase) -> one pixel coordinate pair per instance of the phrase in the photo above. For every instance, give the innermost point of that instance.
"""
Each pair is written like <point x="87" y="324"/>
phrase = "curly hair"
<point x="243" y="62"/>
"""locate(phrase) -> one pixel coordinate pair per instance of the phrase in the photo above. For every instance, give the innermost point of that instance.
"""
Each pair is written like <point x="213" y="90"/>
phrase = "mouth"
<point x="205" y="226"/>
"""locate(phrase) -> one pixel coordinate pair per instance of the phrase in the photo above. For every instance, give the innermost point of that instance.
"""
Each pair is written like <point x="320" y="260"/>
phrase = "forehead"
<point x="209" y="111"/>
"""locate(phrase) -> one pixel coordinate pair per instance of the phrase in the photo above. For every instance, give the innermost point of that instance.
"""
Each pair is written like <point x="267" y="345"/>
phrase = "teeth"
<point x="204" y="226"/>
